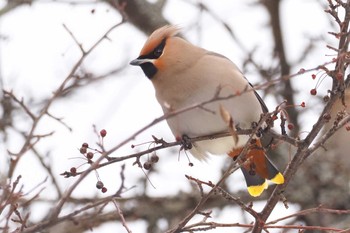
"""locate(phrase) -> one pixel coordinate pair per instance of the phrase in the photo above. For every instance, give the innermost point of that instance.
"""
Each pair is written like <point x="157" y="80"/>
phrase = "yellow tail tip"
<point x="257" y="190"/>
<point x="278" y="179"/>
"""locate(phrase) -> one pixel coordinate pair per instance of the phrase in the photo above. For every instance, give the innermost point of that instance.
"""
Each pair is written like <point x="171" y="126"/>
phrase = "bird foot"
<point x="186" y="143"/>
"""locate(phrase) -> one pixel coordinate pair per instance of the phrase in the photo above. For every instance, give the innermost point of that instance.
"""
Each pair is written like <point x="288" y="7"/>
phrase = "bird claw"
<point x="186" y="143"/>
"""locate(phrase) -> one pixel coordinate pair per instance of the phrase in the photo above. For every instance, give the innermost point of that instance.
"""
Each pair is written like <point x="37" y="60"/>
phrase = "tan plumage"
<point x="183" y="75"/>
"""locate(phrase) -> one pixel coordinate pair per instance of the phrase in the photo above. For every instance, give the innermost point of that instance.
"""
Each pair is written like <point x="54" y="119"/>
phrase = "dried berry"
<point x="154" y="158"/>
<point x="303" y="104"/>
<point x="103" y="133"/>
<point x="73" y="170"/>
<point x="104" y="189"/>
<point x="313" y="91"/>
<point x="313" y="76"/>
<point x="85" y="145"/>
<point x="90" y="155"/>
<point x="147" y="165"/>
<point x="99" y="184"/>
<point x="82" y="150"/>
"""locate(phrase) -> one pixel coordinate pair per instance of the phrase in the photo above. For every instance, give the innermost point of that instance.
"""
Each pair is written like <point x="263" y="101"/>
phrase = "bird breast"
<point x="206" y="86"/>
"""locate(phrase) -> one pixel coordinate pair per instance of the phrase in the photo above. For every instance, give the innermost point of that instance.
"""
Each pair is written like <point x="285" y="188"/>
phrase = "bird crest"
<point x="157" y="36"/>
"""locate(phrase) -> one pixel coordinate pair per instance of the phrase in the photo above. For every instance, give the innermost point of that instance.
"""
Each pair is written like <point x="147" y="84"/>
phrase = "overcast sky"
<point x="37" y="53"/>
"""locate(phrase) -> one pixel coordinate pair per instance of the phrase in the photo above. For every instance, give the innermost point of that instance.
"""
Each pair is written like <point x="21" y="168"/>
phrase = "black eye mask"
<point x="156" y="53"/>
<point x="148" y="68"/>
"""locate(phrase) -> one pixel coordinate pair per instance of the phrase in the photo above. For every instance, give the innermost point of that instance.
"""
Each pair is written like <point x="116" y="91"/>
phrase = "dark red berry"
<point x="99" y="184"/>
<point x="85" y="145"/>
<point x="313" y="91"/>
<point x="90" y="155"/>
<point x="302" y="104"/>
<point x="103" y="133"/>
<point x="290" y="126"/>
<point x="82" y="150"/>
<point x="104" y="189"/>
<point x="147" y="165"/>
<point x="154" y="158"/>
<point x="73" y="170"/>
<point x="313" y="76"/>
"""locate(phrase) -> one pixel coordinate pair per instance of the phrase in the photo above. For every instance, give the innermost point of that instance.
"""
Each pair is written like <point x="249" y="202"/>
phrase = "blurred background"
<point x="56" y="93"/>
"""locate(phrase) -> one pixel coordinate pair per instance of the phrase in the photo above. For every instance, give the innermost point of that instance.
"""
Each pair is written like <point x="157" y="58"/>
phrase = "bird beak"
<point x="138" y="61"/>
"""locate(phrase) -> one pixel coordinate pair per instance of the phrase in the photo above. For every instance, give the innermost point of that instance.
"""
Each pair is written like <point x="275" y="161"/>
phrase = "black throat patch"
<point x="149" y="69"/>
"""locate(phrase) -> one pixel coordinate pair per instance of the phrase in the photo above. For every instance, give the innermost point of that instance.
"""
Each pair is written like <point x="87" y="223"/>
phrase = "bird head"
<point x="151" y="56"/>
<point x="165" y="53"/>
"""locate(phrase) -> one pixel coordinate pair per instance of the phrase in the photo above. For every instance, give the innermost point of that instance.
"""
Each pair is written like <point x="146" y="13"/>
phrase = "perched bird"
<point x="184" y="75"/>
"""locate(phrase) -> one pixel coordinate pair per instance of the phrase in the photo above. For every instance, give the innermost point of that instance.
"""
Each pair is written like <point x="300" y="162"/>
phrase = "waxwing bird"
<point x="184" y="75"/>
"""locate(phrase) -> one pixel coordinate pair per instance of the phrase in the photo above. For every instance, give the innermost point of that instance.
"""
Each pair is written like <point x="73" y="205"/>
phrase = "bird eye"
<point x="157" y="52"/>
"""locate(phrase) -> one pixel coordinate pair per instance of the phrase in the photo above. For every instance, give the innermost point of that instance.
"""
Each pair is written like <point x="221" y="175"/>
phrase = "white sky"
<point x="38" y="53"/>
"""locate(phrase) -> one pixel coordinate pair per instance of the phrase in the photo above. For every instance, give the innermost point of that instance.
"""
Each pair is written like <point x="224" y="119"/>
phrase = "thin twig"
<point x="318" y="209"/>
<point x="120" y="213"/>
<point x="303" y="150"/>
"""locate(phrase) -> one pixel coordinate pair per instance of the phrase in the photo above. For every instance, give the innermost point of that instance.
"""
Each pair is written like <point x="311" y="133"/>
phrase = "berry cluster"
<point x="152" y="160"/>
<point x="313" y="91"/>
<point x="100" y="185"/>
<point x="281" y="110"/>
<point x="88" y="154"/>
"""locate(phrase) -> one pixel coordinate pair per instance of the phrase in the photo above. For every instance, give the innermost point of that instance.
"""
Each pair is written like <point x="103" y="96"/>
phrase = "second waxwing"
<point x="184" y="75"/>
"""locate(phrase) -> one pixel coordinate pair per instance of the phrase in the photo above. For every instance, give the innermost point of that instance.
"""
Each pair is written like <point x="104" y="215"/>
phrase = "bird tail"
<point x="257" y="168"/>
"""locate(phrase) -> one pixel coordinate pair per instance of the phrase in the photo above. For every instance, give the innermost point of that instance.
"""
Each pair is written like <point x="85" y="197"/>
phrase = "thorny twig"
<point x="28" y="144"/>
<point x="97" y="163"/>
<point x="70" y="190"/>
<point x="304" y="149"/>
<point x="120" y="213"/>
